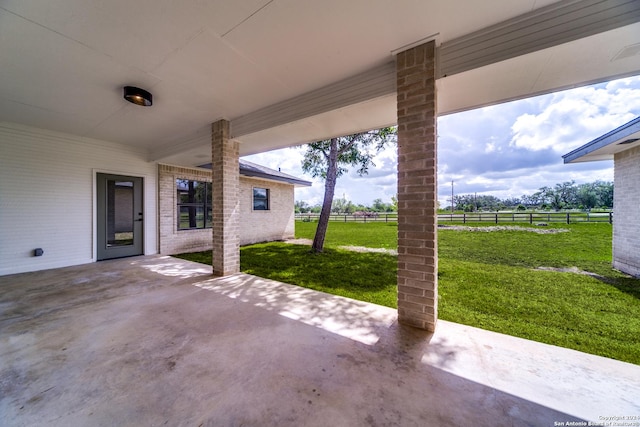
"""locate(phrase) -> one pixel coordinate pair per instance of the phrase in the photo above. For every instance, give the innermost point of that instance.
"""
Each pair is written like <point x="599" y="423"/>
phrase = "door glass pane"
<point x="119" y="213"/>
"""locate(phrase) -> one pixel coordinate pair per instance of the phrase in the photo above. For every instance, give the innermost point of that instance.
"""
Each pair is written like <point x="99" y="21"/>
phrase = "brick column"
<point x="417" y="189"/>
<point x="225" y="174"/>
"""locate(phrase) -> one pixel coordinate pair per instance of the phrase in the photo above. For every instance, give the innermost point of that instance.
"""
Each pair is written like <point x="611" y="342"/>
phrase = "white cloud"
<point x="571" y="118"/>
<point x="504" y="150"/>
<point x="490" y="147"/>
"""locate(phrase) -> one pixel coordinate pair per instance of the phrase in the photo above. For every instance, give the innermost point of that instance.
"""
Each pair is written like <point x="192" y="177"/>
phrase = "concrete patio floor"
<point x="155" y="340"/>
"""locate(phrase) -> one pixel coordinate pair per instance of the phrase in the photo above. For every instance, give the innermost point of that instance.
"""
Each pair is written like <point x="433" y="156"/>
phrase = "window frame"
<point x="204" y="207"/>
<point x="266" y="199"/>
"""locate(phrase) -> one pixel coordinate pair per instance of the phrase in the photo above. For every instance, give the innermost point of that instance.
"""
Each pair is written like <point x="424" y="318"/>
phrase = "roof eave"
<point x="616" y="136"/>
<point x="295" y="182"/>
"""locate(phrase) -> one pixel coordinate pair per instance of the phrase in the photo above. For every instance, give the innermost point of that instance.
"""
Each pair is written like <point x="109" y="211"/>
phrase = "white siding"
<point x="47" y="187"/>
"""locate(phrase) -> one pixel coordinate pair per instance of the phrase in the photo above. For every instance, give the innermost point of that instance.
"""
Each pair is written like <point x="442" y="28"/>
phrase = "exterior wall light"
<point x="138" y="96"/>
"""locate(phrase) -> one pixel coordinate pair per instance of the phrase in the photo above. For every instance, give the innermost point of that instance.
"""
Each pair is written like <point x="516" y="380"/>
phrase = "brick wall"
<point x="173" y="241"/>
<point x="255" y="226"/>
<point x="417" y="192"/>
<point x="626" y="205"/>
<point x="277" y="223"/>
<point x="225" y="202"/>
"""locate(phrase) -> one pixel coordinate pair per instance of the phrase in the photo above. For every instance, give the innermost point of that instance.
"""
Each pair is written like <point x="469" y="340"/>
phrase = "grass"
<point x="487" y="280"/>
<point x="362" y="276"/>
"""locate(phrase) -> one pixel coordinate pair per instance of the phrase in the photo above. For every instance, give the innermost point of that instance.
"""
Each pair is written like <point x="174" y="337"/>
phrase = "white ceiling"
<point x="64" y="63"/>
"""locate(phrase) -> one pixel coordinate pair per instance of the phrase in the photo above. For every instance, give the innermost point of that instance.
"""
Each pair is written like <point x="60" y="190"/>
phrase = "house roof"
<point x="258" y="171"/>
<point x="606" y="146"/>
<point x="255" y="170"/>
<point x="288" y="72"/>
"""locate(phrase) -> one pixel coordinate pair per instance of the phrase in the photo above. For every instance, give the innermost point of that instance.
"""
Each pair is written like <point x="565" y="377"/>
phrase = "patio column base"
<point x="417" y="188"/>
<point x="225" y="174"/>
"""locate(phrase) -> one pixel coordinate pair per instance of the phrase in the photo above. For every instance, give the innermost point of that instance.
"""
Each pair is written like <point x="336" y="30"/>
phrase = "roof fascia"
<point x="609" y="138"/>
<point x="539" y="29"/>
<point x="262" y="175"/>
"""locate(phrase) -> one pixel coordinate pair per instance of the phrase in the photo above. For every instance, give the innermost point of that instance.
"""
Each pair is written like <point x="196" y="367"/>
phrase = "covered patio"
<point x="152" y="340"/>
<point x="232" y="78"/>
<point x="155" y="340"/>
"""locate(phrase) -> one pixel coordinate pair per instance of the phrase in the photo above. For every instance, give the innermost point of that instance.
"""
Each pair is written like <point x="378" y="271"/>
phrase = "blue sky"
<point x="505" y="150"/>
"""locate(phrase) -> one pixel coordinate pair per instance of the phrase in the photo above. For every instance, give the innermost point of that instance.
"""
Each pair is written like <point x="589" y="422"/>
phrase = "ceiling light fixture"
<point x="138" y="96"/>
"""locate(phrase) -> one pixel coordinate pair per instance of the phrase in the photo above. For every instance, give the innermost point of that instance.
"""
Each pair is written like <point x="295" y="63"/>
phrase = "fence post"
<point x="610" y="217"/>
<point x="530" y="218"/>
<point x="496" y="217"/>
<point x="568" y="218"/>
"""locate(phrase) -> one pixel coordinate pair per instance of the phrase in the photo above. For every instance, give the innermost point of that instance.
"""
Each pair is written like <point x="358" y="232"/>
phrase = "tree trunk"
<point x="329" y="189"/>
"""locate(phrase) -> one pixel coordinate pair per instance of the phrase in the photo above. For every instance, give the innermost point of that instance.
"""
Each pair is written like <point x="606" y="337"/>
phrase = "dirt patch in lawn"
<point x="503" y="228"/>
<point x="300" y="241"/>
<point x="445" y="227"/>
<point x="366" y="249"/>
<point x="576" y="270"/>
<point x="346" y="248"/>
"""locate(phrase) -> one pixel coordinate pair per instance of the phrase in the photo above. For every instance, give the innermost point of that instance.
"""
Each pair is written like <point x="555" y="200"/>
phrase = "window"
<point x="260" y="199"/>
<point x="194" y="204"/>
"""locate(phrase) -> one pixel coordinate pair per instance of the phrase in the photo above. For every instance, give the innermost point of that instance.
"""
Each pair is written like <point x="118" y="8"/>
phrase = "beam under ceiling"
<point x="542" y="28"/>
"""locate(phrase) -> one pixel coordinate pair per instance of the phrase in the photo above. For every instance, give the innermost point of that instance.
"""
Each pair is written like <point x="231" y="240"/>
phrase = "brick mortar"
<point x="417" y="187"/>
<point x="626" y="200"/>
<point x="225" y="187"/>
<point x="277" y="223"/>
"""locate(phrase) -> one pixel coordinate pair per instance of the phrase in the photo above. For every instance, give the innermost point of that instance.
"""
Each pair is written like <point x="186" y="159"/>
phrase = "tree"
<point x="342" y="206"/>
<point x="512" y="202"/>
<point x="543" y="195"/>
<point x="301" y="206"/>
<point x="331" y="158"/>
<point x="587" y="196"/>
<point x="605" y="193"/>
<point x="531" y="200"/>
<point x="566" y="193"/>
<point x="380" y="206"/>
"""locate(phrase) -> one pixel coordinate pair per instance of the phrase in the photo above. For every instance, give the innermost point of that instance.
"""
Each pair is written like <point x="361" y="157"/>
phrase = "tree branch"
<point x="351" y="143"/>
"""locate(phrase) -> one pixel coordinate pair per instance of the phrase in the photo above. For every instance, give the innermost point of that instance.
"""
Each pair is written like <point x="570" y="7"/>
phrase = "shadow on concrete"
<point x="153" y="341"/>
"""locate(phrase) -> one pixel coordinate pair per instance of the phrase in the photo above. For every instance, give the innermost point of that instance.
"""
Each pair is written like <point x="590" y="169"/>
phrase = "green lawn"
<point x="488" y="280"/>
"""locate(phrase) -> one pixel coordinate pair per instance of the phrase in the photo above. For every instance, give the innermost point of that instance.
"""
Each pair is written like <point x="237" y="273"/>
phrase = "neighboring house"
<point x="266" y="206"/>
<point x="623" y="146"/>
